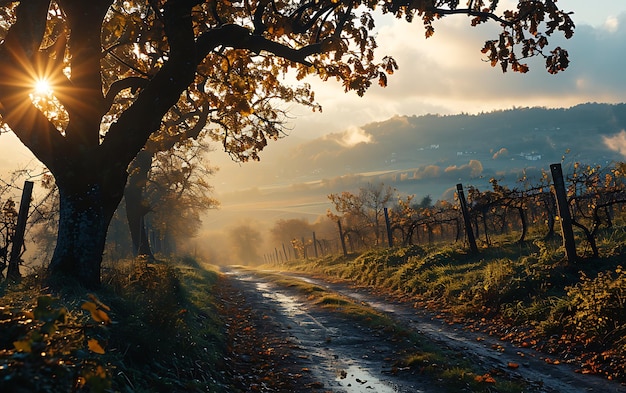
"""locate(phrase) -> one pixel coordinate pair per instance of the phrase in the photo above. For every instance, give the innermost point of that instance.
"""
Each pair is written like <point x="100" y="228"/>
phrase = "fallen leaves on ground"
<point x="259" y="359"/>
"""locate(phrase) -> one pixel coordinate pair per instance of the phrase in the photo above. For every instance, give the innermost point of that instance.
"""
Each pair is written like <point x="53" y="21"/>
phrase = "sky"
<point x="447" y="74"/>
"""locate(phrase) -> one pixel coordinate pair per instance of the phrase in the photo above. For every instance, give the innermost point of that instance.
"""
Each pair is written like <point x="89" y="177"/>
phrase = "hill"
<point x="520" y="135"/>
<point x="422" y="155"/>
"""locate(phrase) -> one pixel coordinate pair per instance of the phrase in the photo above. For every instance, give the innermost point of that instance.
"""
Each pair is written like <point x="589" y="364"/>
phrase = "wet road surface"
<point x="350" y="359"/>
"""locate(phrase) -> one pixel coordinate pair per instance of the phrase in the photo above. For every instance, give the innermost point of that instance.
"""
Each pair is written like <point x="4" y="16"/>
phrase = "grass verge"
<point x="576" y="310"/>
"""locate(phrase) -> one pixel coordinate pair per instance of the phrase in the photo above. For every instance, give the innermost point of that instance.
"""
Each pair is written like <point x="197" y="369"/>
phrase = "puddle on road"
<point x="357" y="380"/>
<point x="353" y="378"/>
<point x="381" y="306"/>
<point x="288" y="304"/>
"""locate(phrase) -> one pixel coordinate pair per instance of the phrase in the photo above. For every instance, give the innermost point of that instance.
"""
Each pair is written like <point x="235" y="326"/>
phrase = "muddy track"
<point x="336" y="355"/>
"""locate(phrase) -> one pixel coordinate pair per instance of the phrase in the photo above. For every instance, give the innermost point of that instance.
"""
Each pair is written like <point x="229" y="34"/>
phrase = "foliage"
<point x="45" y="217"/>
<point x="246" y="241"/>
<point x="411" y="219"/>
<point x="48" y="347"/>
<point x="178" y="191"/>
<point x="284" y="231"/>
<point x="594" y="195"/>
<point x="363" y="213"/>
<point x="158" y="331"/>
<point x="598" y="308"/>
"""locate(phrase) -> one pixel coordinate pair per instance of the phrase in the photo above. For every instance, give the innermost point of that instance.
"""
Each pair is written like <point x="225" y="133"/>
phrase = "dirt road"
<point x="319" y="351"/>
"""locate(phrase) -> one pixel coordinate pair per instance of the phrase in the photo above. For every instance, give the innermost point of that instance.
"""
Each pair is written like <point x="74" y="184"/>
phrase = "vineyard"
<point x="594" y="199"/>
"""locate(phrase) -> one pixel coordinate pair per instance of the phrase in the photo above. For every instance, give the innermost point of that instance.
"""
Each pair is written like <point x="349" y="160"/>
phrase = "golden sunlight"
<point x="43" y="98"/>
<point x="42" y="87"/>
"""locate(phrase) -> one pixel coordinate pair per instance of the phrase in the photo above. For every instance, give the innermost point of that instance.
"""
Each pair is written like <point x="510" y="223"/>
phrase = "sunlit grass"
<point x="529" y="284"/>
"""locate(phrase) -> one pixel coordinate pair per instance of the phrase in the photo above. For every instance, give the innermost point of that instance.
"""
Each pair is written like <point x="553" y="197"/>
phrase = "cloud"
<point x="501" y="153"/>
<point x="472" y="169"/>
<point x="616" y="142"/>
<point x="350" y="137"/>
<point x="427" y="172"/>
<point x="447" y="74"/>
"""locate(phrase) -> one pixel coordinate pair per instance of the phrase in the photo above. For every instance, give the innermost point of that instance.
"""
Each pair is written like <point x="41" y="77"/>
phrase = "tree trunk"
<point x="84" y="216"/>
<point x="522" y="218"/>
<point x="136" y="206"/>
<point x="87" y="201"/>
<point x="89" y="168"/>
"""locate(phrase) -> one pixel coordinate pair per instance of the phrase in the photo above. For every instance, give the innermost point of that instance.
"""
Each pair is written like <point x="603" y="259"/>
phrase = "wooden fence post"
<point x="466" y="218"/>
<point x="13" y="271"/>
<point x="296" y="253"/>
<point x="343" y="241"/>
<point x="564" y="214"/>
<point x="315" y="245"/>
<point x="388" y="226"/>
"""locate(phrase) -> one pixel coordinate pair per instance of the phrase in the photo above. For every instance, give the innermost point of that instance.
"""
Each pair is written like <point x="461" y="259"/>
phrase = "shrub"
<point x="497" y="285"/>
<point x="598" y="306"/>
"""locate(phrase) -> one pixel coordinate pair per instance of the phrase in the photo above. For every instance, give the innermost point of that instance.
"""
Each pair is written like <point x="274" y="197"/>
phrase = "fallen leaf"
<point x="22" y="346"/>
<point x="94" y="346"/>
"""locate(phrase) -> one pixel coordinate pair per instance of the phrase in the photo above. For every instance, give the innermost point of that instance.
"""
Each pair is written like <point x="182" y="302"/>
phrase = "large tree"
<point x="120" y="67"/>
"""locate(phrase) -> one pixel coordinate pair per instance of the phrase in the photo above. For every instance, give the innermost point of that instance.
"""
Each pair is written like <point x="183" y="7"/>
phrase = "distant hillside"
<point x="428" y="155"/>
<point x="522" y="134"/>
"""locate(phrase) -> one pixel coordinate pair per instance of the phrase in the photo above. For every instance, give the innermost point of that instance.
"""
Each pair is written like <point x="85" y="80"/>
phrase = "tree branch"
<point x="133" y="83"/>
<point x="239" y="37"/>
<point x="132" y="129"/>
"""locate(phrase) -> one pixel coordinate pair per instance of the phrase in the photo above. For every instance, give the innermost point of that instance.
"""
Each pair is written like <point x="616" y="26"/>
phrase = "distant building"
<point x="531" y="156"/>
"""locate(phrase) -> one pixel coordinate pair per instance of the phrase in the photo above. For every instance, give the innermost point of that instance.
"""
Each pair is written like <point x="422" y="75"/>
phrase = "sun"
<point x="42" y="87"/>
